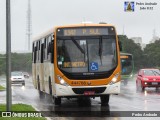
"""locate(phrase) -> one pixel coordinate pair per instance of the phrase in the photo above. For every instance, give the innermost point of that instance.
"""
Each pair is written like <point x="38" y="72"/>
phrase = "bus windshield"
<point x="126" y="64"/>
<point x="86" y="54"/>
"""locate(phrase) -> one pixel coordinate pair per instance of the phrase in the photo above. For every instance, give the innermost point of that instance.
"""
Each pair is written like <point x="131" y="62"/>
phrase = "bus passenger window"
<point x="42" y="51"/>
<point x="39" y="45"/>
<point x="48" y="47"/>
<point x="35" y="54"/>
<point x="37" y="51"/>
<point x="45" y="43"/>
<point x="49" y="51"/>
<point x="52" y="51"/>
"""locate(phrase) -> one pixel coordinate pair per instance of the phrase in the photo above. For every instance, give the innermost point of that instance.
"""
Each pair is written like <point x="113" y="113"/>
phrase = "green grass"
<point x="2" y="88"/>
<point x="20" y="108"/>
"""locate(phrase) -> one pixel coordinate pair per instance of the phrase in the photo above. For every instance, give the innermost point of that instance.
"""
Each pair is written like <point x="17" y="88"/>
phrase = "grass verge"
<point x="20" y="108"/>
<point x="2" y="88"/>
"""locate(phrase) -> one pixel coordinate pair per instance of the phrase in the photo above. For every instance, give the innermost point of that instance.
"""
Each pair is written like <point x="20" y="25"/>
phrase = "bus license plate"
<point x="154" y="83"/>
<point x="89" y="92"/>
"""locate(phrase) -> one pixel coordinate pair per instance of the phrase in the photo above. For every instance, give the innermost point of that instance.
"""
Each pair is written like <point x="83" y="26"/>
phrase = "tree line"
<point x="147" y="58"/>
<point x="19" y="62"/>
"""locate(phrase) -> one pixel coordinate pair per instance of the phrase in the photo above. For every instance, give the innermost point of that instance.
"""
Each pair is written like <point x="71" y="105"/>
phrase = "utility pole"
<point x="8" y="56"/>
<point x="28" y="29"/>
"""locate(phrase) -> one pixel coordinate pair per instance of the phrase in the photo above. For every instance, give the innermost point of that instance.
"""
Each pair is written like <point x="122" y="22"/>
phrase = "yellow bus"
<point x="75" y="61"/>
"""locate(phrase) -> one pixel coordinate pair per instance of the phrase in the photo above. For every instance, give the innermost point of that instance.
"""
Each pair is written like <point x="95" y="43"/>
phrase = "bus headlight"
<point x="114" y="79"/>
<point x="62" y="81"/>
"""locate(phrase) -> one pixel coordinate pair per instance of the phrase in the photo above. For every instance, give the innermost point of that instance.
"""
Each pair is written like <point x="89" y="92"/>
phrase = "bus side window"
<point x="37" y="55"/>
<point x="52" y="49"/>
<point x="46" y="53"/>
<point x="42" y="51"/>
<point x="33" y="52"/>
<point x="48" y="47"/>
<point x="44" y="48"/>
<point x="37" y="52"/>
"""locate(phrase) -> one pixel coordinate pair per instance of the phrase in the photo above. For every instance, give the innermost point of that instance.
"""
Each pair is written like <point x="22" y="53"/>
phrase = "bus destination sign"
<point x="85" y="31"/>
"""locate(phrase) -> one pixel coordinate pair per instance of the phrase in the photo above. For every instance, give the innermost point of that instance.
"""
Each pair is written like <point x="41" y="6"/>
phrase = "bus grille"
<point x="96" y="90"/>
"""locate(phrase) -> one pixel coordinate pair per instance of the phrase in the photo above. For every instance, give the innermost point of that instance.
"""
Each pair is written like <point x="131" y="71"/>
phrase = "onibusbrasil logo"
<point x="129" y="6"/>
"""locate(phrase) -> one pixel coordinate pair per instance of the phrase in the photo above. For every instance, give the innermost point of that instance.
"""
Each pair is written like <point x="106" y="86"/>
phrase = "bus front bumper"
<point x="62" y="91"/>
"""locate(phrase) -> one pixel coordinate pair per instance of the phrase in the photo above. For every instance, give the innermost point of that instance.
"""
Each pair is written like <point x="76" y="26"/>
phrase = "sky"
<point x="49" y="13"/>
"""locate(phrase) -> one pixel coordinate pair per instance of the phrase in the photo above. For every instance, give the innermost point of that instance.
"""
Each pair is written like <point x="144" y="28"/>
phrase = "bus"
<point x="127" y="66"/>
<point x="77" y="61"/>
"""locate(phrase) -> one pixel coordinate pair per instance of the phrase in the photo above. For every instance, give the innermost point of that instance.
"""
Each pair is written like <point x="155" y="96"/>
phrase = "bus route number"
<point x="82" y="32"/>
<point x="78" y="83"/>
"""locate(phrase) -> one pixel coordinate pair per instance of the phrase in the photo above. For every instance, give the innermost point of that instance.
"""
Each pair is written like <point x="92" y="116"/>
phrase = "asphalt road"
<point x="128" y="102"/>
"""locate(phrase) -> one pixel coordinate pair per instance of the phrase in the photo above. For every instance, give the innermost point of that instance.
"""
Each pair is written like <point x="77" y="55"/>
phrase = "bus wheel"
<point x="38" y="82"/>
<point x="104" y="100"/>
<point x="57" y="101"/>
<point x="41" y="94"/>
<point x="50" y="86"/>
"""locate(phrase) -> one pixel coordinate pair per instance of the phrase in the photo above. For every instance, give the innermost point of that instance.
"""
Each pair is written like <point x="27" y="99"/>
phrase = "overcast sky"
<point x="49" y="13"/>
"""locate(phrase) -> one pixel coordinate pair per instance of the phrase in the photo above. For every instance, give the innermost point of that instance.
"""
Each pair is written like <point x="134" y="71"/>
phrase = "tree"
<point x="2" y="64"/>
<point x="152" y="53"/>
<point x="128" y="46"/>
<point x="19" y="62"/>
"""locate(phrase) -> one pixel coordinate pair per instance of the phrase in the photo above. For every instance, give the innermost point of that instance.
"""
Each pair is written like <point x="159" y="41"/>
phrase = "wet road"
<point x="128" y="100"/>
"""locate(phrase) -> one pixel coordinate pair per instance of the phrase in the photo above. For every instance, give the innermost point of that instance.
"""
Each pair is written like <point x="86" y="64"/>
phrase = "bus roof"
<point x="43" y="34"/>
<point x="84" y="24"/>
<point x="51" y="31"/>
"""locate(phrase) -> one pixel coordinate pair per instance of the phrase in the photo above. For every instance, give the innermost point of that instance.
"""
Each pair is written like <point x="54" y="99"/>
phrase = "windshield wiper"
<point x="100" y="49"/>
<point x="78" y="46"/>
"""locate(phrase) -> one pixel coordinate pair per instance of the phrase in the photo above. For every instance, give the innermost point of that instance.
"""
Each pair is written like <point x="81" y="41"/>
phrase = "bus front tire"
<point x="57" y="101"/>
<point x="104" y="100"/>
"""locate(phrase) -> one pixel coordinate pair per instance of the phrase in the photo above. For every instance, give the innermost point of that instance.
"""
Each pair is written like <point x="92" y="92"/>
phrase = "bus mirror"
<point x="51" y="47"/>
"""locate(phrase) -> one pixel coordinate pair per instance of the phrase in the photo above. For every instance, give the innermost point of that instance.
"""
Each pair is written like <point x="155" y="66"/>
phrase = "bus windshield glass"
<point x="126" y="64"/>
<point x="86" y="54"/>
<point x="86" y="49"/>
